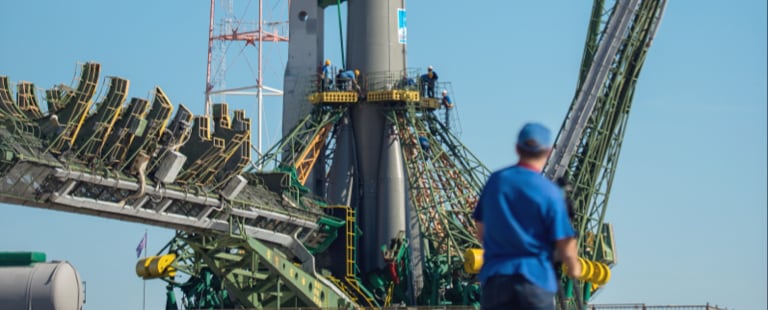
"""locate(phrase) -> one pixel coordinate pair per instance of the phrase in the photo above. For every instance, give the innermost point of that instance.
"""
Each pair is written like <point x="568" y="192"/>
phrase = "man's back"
<point x="523" y="215"/>
<point x="326" y="71"/>
<point x="349" y="74"/>
<point x="521" y="218"/>
<point x="446" y="101"/>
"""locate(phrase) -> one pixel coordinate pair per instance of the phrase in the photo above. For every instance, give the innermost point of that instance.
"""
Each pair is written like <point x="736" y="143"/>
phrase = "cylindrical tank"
<point x="41" y="286"/>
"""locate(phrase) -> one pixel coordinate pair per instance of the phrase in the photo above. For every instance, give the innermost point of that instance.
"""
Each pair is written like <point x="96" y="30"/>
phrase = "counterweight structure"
<point x="365" y="202"/>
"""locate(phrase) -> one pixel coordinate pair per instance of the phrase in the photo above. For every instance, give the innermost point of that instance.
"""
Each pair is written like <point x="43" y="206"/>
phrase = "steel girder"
<point x="591" y="169"/>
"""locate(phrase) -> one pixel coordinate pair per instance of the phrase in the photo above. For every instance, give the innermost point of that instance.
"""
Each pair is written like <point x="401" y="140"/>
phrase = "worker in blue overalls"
<point x="347" y="80"/>
<point x="428" y="82"/>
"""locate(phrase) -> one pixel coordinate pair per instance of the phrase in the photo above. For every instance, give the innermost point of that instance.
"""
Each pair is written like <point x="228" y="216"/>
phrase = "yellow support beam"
<point x="76" y="109"/>
<point x="350" y="278"/>
<point x="333" y="97"/>
<point x="307" y="159"/>
<point x="27" y="100"/>
<point x="429" y="103"/>
<point x="393" y="95"/>
<point x="113" y="106"/>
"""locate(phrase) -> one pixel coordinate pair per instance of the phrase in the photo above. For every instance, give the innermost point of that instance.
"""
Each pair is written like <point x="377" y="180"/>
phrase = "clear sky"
<point x="689" y="198"/>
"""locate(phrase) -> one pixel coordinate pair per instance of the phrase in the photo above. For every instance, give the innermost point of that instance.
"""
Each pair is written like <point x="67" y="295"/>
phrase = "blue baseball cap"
<point x="534" y="137"/>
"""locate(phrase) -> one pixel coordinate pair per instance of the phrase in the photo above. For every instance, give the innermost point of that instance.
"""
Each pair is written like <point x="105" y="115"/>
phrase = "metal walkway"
<point x="126" y="164"/>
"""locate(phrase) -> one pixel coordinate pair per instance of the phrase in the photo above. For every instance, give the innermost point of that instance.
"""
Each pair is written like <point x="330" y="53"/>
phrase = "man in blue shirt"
<point x="424" y="142"/>
<point x="347" y="80"/>
<point x="522" y="219"/>
<point x="406" y="82"/>
<point x="325" y="76"/>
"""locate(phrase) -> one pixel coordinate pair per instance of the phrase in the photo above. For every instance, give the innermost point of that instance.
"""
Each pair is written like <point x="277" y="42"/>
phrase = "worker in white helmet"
<point x="428" y="82"/>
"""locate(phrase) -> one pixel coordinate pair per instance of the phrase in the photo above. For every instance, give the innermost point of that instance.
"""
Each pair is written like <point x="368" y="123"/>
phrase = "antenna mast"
<point x="230" y="29"/>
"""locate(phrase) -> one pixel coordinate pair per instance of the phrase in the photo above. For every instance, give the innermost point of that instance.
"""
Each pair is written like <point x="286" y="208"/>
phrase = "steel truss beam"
<point x="588" y="146"/>
<point x="254" y="274"/>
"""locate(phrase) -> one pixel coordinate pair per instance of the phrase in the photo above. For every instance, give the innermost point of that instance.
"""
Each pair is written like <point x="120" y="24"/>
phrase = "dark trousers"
<point x="326" y="84"/>
<point x="447" y="119"/>
<point x="342" y="84"/>
<point x="515" y="292"/>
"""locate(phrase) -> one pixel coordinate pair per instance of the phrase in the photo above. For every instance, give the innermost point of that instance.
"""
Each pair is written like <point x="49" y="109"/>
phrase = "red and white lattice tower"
<point x="221" y="37"/>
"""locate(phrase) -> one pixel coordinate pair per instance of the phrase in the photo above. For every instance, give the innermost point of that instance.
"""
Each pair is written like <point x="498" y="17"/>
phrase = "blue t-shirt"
<point x="349" y="74"/>
<point x="327" y="71"/>
<point x="523" y="215"/>
<point x="446" y="101"/>
<point x="424" y="142"/>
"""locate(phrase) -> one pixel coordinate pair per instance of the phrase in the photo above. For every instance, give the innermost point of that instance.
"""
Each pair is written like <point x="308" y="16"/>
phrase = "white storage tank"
<point x="28" y="282"/>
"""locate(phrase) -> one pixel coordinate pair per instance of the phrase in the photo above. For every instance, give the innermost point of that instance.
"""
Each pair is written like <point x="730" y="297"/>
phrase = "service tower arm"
<point x="586" y="151"/>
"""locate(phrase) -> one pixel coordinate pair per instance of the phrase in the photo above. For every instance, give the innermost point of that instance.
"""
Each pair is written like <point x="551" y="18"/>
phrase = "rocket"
<point x="368" y="170"/>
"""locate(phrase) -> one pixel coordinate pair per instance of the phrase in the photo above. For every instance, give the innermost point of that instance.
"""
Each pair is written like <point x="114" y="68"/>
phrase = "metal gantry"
<point x="587" y="149"/>
<point x="261" y="237"/>
<point x="137" y="163"/>
<point x="444" y="179"/>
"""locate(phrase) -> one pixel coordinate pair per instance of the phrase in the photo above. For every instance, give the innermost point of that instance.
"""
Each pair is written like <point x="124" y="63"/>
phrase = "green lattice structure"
<point x="591" y="169"/>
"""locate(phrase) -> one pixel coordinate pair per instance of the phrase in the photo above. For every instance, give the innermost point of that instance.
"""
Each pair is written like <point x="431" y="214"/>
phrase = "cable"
<point x="140" y="168"/>
<point x="341" y="34"/>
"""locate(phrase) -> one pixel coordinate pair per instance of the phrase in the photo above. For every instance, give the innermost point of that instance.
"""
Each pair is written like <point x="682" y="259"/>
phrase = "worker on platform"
<point x="326" y="76"/>
<point x="407" y="83"/>
<point x="522" y="222"/>
<point x="448" y="105"/>
<point x="428" y="82"/>
<point x="347" y="80"/>
<point x="338" y="79"/>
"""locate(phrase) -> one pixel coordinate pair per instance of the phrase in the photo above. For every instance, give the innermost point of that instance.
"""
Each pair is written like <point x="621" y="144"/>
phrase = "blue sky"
<point x="689" y="198"/>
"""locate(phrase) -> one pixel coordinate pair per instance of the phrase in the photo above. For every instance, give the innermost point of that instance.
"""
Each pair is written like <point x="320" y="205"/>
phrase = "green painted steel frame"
<point x="256" y="275"/>
<point x="285" y="151"/>
<point x="592" y="168"/>
<point x="443" y="186"/>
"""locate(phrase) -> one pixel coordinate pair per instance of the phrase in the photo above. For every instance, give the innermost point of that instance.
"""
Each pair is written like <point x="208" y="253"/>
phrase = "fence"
<point x="589" y="307"/>
<point x="655" y="307"/>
